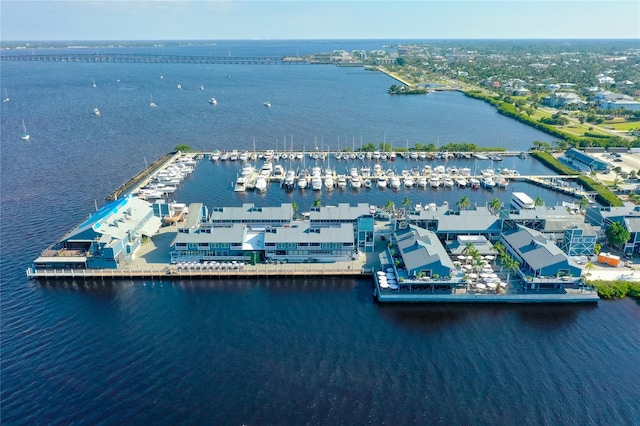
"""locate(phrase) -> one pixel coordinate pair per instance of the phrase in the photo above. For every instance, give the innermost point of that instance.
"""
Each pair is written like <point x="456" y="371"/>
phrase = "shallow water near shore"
<point x="282" y="351"/>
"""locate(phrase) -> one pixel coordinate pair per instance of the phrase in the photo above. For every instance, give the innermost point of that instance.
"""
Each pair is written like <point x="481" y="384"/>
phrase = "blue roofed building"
<point x="586" y="160"/>
<point x="627" y="215"/>
<point x="108" y="237"/>
<point x="423" y="253"/>
<point x="542" y="263"/>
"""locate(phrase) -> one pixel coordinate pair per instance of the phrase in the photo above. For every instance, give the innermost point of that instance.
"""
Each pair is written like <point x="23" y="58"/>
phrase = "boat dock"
<point x="374" y="170"/>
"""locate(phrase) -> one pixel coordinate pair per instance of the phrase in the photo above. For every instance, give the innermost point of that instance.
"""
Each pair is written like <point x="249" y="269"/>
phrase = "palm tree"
<point x="539" y="201"/>
<point x="389" y="206"/>
<point x="469" y="250"/>
<point x="512" y="266"/>
<point x="588" y="267"/>
<point x="464" y="203"/>
<point x="495" y="205"/>
<point x="406" y="202"/>
<point x="295" y="208"/>
<point x="584" y="203"/>
<point x="317" y="203"/>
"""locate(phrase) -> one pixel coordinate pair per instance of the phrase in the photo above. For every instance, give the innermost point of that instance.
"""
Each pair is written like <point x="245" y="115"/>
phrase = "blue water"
<point x="312" y="351"/>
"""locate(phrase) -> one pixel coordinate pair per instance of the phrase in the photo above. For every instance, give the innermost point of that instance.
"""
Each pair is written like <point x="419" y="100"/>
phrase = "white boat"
<point x="267" y="104"/>
<point x="96" y="112"/>
<point x="25" y="136"/>
<point x="233" y="155"/>
<point x="501" y="182"/>
<point x="394" y="182"/>
<point x="268" y="154"/>
<point x="356" y="183"/>
<point x="408" y="181"/>
<point x="267" y="169"/>
<point x="413" y="155"/>
<point x="434" y="181"/>
<point x="439" y="170"/>
<point x="261" y="184"/>
<point x="93" y="83"/>
<point x="316" y="182"/>
<point x="367" y="183"/>
<point x="447" y="182"/>
<point x="202" y="86"/>
<point x="342" y="181"/>
<point x="520" y="200"/>
<point x="377" y="169"/>
<point x="465" y="171"/>
<point x="353" y="172"/>
<point x="244" y="156"/>
<point x="224" y="156"/>
<point x="422" y="181"/>
<point x="241" y="184"/>
<point x="365" y="171"/>
<point x="376" y="155"/>
<point x="461" y="182"/>
<point x="474" y="183"/>
<point x="328" y="180"/>
<point x="247" y="170"/>
<point x="488" y="182"/>
<point x="215" y="155"/>
<point x="278" y="173"/>
<point x="213" y="101"/>
<point x="299" y="156"/>
<point x="382" y="182"/>
<point x="6" y="96"/>
<point x="302" y="179"/>
<point x="290" y="179"/>
<point x="180" y="86"/>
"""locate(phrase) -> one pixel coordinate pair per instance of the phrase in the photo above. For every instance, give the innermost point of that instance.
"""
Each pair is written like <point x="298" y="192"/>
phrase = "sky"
<point x="49" y="20"/>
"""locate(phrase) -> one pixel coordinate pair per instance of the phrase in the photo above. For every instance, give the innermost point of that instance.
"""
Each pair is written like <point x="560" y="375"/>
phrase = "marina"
<point x="160" y="182"/>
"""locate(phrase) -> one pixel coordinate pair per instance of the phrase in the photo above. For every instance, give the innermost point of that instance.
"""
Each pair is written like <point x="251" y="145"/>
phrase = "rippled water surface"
<point x="308" y="351"/>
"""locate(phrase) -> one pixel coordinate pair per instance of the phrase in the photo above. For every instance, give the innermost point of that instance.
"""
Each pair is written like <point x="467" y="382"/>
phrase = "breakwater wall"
<point x="146" y="173"/>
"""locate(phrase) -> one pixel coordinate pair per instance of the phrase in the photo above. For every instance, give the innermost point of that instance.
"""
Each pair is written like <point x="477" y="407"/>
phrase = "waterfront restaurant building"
<point x="252" y="234"/>
<point x="540" y="259"/>
<point x="423" y="253"/>
<point x="108" y="237"/>
<point x="627" y="215"/>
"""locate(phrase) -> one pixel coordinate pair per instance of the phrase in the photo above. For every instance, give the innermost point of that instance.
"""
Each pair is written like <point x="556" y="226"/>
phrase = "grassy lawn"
<point x="620" y="124"/>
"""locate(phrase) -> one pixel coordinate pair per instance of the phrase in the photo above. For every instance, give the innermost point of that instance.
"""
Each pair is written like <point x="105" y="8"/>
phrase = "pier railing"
<point x="170" y="273"/>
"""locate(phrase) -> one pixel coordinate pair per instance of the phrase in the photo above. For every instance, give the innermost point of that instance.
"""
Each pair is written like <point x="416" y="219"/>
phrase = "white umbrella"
<point x="384" y="285"/>
<point x="484" y="275"/>
<point x="480" y="285"/>
<point x="489" y="257"/>
<point x="473" y="275"/>
<point x="380" y="273"/>
<point x="390" y="270"/>
<point x="493" y="275"/>
<point x="492" y="285"/>
<point x="468" y="267"/>
<point x="501" y="284"/>
<point x="390" y="275"/>
<point x="393" y="286"/>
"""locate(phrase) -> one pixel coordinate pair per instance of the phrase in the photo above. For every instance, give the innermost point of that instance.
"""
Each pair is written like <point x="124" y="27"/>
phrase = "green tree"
<point x="464" y="203"/>
<point x="182" y="148"/>
<point x="584" y="203"/>
<point x="295" y="208"/>
<point x="495" y="205"/>
<point x="389" y="206"/>
<point x="539" y="201"/>
<point x="597" y="248"/>
<point x="617" y="234"/>
<point x="317" y="203"/>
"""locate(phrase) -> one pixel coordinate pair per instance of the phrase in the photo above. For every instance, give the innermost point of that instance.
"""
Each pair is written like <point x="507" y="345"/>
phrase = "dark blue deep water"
<point x="312" y="351"/>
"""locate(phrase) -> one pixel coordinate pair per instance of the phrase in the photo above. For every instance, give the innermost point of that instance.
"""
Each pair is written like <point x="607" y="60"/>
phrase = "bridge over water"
<point x="156" y="59"/>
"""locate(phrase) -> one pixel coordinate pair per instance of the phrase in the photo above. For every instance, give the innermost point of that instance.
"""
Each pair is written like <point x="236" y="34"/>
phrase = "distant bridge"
<point x="157" y="59"/>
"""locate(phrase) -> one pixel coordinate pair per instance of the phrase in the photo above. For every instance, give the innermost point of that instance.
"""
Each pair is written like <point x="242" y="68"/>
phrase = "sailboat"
<point x="6" y="96"/>
<point x="152" y="104"/>
<point x="202" y="86"/>
<point x="94" y="83"/>
<point x="25" y="135"/>
<point x="96" y="112"/>
<point x="213" y="101"/>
